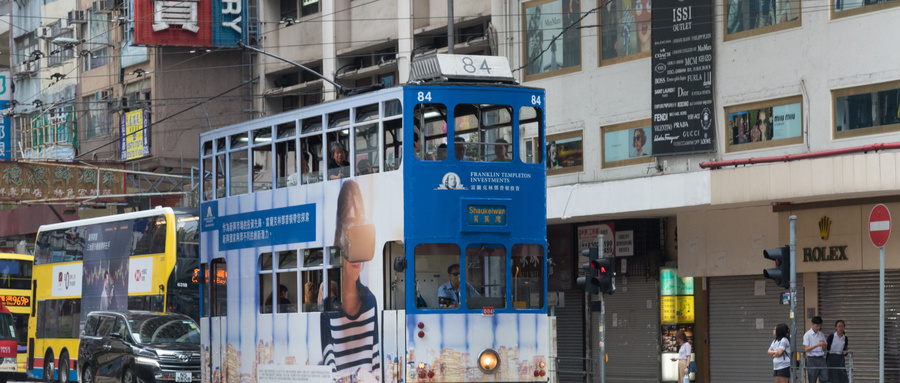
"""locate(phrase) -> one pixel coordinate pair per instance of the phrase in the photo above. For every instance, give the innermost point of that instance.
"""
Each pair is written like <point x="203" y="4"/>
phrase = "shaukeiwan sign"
<point x="825" y="253"/>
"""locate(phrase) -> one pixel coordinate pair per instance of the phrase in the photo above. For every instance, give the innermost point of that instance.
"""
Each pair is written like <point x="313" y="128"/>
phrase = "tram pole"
<point x="601" y="328"/>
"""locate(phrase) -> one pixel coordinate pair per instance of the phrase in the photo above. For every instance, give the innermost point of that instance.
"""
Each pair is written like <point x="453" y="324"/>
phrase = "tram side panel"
<point x="248" y="346"/>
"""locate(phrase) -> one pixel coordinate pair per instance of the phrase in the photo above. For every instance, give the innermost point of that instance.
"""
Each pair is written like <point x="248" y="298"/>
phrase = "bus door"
<point x="394" y="316"/>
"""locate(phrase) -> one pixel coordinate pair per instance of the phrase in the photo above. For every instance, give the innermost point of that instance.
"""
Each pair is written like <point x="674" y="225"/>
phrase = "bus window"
<point x="366" y="157"/>
<point x="486" y="276"/>
<point x="148" y="235"/>
<point x="530" y="126"/>
<point x="431" y="120"/>
<point x="63" y="318"/>
<point x="15" y="274"/>
<point x="528" y="276"/>
<point x="262" y="159"/>
<point x="435" y="282"/>
<point x="393" y="138"/>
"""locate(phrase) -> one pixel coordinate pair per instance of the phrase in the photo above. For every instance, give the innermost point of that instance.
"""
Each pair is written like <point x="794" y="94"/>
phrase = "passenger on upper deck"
<point x="501" y="150"/>
<point x="364" y="167"/>
<point x="338" y="167"/>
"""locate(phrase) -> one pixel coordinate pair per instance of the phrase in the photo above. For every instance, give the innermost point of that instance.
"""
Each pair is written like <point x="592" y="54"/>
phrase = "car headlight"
<point x="147" y="357"/>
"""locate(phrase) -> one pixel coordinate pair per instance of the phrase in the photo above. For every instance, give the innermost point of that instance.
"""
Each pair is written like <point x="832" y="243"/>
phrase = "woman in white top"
<point x="684" y="354"/>
<point x="780" y="351"/>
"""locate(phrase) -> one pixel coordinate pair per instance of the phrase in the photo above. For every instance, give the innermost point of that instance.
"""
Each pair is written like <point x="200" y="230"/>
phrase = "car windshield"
<point x="164" y="329"/>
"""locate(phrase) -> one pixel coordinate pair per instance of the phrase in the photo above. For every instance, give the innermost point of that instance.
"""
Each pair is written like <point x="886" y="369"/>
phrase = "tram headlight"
<point x="488" y="361"/>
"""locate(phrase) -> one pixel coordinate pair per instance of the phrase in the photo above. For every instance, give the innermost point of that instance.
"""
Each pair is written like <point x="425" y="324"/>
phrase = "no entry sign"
<point x="879" y="225"/>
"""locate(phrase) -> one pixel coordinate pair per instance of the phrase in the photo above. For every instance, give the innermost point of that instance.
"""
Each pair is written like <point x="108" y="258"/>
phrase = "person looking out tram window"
<point x="338" y="166"/>
<point x="350" y="332"/>
<point x="501" y="150"/>
<point x="448" y="293"/>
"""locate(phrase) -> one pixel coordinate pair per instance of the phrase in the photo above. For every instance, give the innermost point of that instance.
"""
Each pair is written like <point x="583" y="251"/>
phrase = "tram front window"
<point x="486" y="273"/>
<point x="435" y="265"/>
<point x="528" y="276"/>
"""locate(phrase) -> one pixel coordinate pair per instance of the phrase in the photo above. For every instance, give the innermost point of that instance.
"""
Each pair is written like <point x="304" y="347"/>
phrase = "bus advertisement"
<point x="145" y="260"/>
<point x="15" y="296"/>
<point x="343" y="244"/>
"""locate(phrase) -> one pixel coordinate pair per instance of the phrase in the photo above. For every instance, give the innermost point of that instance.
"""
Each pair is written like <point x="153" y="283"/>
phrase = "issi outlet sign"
<point x="192" y="23"/>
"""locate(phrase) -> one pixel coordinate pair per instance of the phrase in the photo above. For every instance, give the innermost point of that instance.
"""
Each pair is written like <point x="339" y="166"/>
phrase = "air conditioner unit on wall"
<point x="103" y="95"/>
<point x="44" y="32"/>
<point x="63" y="23"/>
<point x="77" y="17"/>
<point x="102" y="6"/>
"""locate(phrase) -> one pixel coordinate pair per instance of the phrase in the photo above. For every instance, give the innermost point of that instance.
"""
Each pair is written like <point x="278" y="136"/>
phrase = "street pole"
<point x="793" y="292"/>
<point x="451" y="35"/>
<point x="602" y="319"/>
<point x="881" y="316"/>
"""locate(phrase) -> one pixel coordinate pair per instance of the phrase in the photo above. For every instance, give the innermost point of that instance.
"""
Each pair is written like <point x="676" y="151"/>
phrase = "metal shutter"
<point x="632" y="343"/>
<point x="853" y="297"/>
<point x="741" y="324"/>
<point x="570" y="338"/>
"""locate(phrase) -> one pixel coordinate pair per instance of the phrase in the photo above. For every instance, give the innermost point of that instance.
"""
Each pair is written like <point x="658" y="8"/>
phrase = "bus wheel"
<point x="128" y="376"/>
<point x="64" y="368"/>
<point x="48" y="369"/>
<point x="86" y="376"/>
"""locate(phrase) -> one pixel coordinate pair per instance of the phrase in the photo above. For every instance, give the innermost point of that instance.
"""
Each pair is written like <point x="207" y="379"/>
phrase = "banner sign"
<point x="134" y="128"/>
<point x="192" y="23"/>
<point x="682" y="64"/>
<point x="24" y="181"/>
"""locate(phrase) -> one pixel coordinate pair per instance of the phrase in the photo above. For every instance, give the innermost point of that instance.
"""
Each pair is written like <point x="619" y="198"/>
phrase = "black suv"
<point x="139" y="347"/>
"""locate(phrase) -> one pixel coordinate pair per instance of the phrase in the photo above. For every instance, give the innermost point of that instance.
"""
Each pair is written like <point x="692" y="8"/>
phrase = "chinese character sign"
<point x="195" y="23"/>
<point x="135" y="141"/>
<point x="59" y="182"/>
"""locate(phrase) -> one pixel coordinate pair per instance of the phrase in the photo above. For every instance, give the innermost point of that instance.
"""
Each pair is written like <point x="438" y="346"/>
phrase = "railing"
<point x="568" y="373"/>
<point x="801" y="372"/>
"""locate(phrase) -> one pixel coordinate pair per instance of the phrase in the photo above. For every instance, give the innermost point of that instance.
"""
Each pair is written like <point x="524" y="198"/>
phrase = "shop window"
<point x="544" y="54"/>
<point x="744" y="18"/>
<point x="867" y="110"/>
<point x="528" y="276"/>
<point x="764" y="124"/>
<point x="532" y="149"/>
<point x="564" y="153"/>
<point x="627" y="144"/>
<point x="435" y="265"/>
<point x="485" y="277"/>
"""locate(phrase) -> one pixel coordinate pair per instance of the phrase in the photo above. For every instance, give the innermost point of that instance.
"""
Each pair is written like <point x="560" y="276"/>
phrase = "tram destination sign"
<point x="682" y="65"/>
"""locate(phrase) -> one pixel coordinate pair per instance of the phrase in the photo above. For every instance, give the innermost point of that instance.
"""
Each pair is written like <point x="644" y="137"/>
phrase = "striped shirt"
<point x="351" y="343"/>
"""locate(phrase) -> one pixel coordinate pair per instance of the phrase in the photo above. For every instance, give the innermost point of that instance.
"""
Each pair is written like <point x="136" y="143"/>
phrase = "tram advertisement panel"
<point x="335" y="331"/>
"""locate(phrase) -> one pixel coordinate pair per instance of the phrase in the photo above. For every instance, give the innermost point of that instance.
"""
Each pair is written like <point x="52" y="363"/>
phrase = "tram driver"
<point x="448" y="293"/>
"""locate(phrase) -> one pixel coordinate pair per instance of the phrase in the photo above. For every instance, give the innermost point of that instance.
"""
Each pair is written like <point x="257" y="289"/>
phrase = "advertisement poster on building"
<point x="134" y="128"/>
<point x="565" y="153"/>
<point x="625" y="29"/>
<point x="587" y="238"/>
<point x="553" y="37"/>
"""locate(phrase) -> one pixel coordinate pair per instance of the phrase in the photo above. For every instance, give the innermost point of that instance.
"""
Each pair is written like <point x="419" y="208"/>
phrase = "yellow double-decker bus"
<point x="146" y="260"/>
<point x="15" y="294"/>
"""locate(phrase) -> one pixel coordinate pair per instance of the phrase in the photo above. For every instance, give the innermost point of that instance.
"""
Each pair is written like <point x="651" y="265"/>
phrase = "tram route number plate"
<point x="478" y="66"/>
<point x="183" y="377"/>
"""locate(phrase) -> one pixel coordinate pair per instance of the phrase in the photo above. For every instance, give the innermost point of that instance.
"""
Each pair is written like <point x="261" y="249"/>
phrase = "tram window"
<point x="393" y="108"/>
<point x="312" y="279"/>
<point x="220" y="176"/>
<point x="311" y="163"/>
<point x="431" y="120"/>
<point x="239" y="140"/>
<point x="207" y="148"/>
<point x="367" y="113"/>
<point x="278" y="294"/>
<point x="366" y="149"/>
<point x="433" y="275"/>
<point x="528" y="276"/>
<point x="334" y="256"/>
<point x="262" y="136"/>
<point x="338" y="119"/>
<point x="218" y="291"/>
<point x="286" y="163"/>
<point x="486" y="276"/>
<point x="237" y="171"/>
<point x="530" y="126"/>
<point x="486" y="129"/>
<point x="265" y="262"/>
<point x="393" y="139"/>
<point x="207" y="179"/>
<point x="330" y="296"/>
<point x="312" y="257"/>
<point x="286" y="130"/>
<point x="311" y="125"/>
<point x="262" y="167"/>
<point x="338" y="166"/>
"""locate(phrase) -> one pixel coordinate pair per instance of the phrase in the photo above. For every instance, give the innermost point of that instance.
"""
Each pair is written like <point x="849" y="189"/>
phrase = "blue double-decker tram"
<point x="397" y="235"/>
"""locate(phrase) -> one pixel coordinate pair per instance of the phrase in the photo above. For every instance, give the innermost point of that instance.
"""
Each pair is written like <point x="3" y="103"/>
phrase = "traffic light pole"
<point x="602" y="325"/>
<point x="793" y="258"/>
